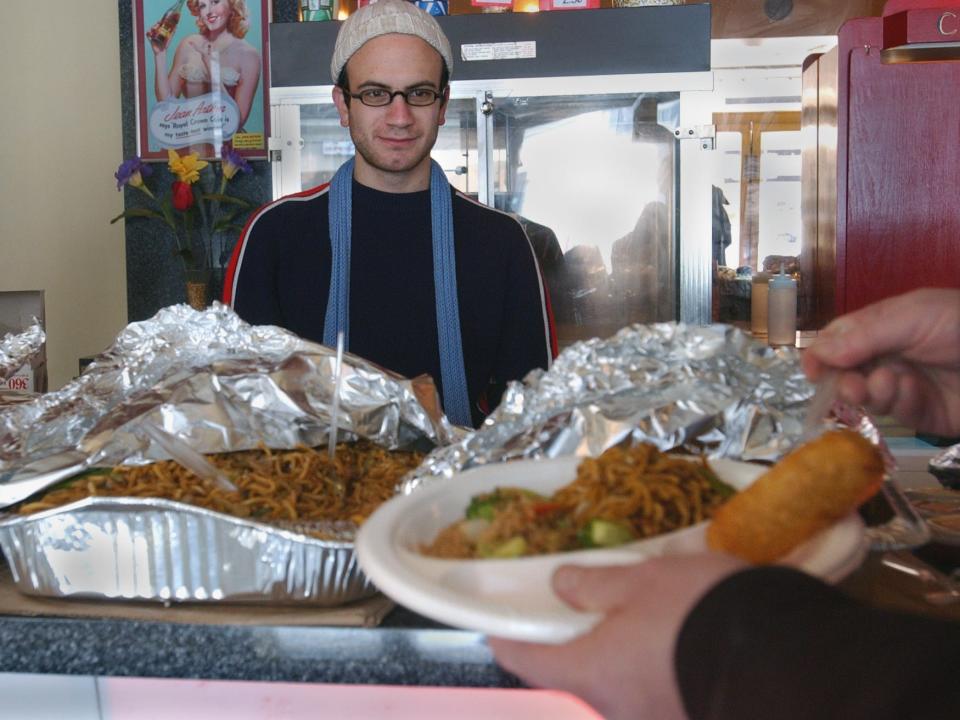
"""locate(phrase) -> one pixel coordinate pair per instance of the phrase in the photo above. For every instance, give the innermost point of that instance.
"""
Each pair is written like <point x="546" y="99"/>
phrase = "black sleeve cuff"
<point x="772" y="642"/>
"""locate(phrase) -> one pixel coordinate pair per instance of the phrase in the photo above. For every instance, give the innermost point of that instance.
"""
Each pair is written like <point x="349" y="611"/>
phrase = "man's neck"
<point x="415" y="180"/>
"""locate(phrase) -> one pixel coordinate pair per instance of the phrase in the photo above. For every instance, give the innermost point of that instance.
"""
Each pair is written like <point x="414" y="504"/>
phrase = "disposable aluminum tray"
<point x="160" y="550"/>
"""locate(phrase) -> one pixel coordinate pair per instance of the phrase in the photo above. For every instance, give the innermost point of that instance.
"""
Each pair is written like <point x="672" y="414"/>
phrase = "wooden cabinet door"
<point x="898" y="184"/>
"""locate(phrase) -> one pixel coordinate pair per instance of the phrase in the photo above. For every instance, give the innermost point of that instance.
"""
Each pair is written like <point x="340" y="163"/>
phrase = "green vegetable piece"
<point x="514" y="547"/>
<point x="600" y="533"/>
<point x="481" y="508"/>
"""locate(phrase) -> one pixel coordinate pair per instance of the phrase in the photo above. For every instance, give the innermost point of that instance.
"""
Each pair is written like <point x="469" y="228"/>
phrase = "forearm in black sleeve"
<point x="775" y="643"/>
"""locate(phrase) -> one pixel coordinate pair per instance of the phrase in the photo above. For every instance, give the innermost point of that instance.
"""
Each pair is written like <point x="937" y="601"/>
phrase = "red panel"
<point x="898" y="172"/>
<point x="922" y="26"/>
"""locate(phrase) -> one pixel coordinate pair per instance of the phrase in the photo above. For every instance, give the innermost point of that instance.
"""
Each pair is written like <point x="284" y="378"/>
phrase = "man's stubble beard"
<point x="371" y="158"/>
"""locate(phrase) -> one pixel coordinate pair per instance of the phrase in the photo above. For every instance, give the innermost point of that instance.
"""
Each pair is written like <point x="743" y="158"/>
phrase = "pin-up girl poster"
<point x="202" y="76"/>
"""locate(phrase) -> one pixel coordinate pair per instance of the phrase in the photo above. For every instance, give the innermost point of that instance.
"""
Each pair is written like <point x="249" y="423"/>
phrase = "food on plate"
<point x="626" y="494"/>
<point x="808" y="490"/>
<point x="299" y="486"/>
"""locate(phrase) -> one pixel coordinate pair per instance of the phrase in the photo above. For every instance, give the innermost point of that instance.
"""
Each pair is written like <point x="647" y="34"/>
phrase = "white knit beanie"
<point x="384" y="17"/>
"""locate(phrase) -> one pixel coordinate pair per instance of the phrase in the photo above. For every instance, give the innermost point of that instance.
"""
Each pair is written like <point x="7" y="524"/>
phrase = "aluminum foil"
<point x="124" y="548"/>
<point x="713" y="389"/>
<point x="224" y="385"/>
<point x="945" y="466"/>
<point x="18" y="349"/>
<point x="217" y="383"/>
<point x="710" y="389"/>
<point x="220" y="385"/>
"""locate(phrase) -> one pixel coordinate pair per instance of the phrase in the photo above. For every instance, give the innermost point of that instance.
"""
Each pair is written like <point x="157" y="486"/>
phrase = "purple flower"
<point x="132" y="172"/>
<point x="233" y="162"/>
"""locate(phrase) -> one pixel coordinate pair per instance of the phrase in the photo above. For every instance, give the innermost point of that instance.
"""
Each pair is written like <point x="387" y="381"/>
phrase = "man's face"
<point x="393" y="142"/>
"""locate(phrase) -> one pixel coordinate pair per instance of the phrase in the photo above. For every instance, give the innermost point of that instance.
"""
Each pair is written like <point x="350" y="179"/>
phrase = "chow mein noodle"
<point x="298" y="486"/>
<point x="626" y="494"/>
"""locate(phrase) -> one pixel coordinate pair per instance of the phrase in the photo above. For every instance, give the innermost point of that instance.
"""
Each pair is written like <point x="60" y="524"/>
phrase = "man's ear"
<point x="443" y="106"/>
<point x="340" y="100"/>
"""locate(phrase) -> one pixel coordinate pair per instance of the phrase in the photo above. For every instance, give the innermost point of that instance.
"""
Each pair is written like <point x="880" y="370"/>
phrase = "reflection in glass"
<point x="327" y="145"/>
<point x="456" y="146"/>
<point x="780" y="218"/>
<point x="758" y="175"/>
<point x="726" y="177"/>
<point x="593" y="180"/>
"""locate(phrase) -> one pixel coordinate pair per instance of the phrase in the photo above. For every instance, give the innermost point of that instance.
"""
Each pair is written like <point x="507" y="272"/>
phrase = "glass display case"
<point x="600" y="169"/>
<point x="592" y="177"/>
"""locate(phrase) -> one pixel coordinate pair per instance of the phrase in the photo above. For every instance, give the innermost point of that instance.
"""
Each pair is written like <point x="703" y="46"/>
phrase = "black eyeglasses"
<point x="379" y="97"/>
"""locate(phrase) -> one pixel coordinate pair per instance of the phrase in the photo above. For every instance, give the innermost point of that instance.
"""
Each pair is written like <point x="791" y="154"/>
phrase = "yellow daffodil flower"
<point x="187" y="168"/>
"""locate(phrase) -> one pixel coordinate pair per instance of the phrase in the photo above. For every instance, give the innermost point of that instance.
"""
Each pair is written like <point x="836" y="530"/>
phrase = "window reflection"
<point x="757" y="193"/>
<point x="593" y="180"/>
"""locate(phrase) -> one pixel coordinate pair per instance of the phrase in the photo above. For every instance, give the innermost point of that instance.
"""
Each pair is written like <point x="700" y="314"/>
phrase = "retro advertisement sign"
<point x="202" y="76"/>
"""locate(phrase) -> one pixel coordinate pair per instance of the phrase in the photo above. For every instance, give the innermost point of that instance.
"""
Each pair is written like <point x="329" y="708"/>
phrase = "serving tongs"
<point x="338" y="485"/>
<point x="820" y="405"/>
<point x="906" y="529"/>
<point x="946" y="588"/>
<point x="182" y="453"/>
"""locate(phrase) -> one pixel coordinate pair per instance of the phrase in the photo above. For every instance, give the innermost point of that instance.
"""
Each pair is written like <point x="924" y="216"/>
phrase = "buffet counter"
<point x="405" y="649"/>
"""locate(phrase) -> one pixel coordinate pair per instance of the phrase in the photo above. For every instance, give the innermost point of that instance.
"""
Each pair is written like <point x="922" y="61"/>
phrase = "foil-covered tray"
<point x="136" y="549"/>
<point x="222" y="385"/>
<point x="712" y="390"/>
<point x="945" y="466"/>
<point x="219" y="385"/>
<point x="18" y="349"/>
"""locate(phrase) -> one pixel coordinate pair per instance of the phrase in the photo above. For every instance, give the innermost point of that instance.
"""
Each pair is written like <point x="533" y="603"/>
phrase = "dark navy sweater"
<point x="280" y="275"/>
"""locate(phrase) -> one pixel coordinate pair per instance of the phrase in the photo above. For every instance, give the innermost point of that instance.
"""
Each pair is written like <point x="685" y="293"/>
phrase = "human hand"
<point x="158" y="46"/>
<point x="899" y="357"/>
<point x="624" y="666"/>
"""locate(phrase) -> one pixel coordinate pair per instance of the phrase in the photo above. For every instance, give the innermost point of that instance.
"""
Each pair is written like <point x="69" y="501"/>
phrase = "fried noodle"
<point x="292" y="486"/>
<point x="653" y="491"/>
<point x="643" y="489"/>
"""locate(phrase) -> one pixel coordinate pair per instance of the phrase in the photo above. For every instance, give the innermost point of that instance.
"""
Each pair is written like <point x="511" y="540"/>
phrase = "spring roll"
<point x="807" y="491"/>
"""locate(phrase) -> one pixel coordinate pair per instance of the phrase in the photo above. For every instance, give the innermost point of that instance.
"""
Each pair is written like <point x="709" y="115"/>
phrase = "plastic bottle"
<point x="782" y="310"/>
<point x="758" y="303"/>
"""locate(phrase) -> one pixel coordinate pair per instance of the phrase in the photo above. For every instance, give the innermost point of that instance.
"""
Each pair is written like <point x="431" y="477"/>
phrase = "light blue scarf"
<point x="452" y="372"/>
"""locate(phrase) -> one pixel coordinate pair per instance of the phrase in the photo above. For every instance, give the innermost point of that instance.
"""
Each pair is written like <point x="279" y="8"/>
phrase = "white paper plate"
<point x="512" y="598"/>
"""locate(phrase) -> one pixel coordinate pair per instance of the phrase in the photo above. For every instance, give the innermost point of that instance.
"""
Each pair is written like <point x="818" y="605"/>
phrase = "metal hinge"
<point x="275" y="148"/>
<point x="705" y="134"/>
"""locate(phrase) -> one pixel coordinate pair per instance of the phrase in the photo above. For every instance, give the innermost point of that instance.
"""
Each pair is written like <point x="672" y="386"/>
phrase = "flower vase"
<point x="198" y="290"/>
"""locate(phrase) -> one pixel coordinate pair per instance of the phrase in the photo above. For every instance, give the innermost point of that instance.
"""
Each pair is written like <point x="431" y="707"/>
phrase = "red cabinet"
<point x="882" y="202"/>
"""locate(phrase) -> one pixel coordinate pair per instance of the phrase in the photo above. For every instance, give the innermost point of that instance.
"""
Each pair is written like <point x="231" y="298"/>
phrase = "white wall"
<point x="60" y="143"/>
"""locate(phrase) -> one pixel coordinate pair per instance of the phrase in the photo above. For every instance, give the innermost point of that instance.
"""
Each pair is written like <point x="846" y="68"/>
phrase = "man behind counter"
<point x="419" y="277"/>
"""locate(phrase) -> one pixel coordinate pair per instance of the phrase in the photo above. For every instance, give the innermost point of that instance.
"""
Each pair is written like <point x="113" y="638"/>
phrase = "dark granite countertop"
<point x="405" y="649"/>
